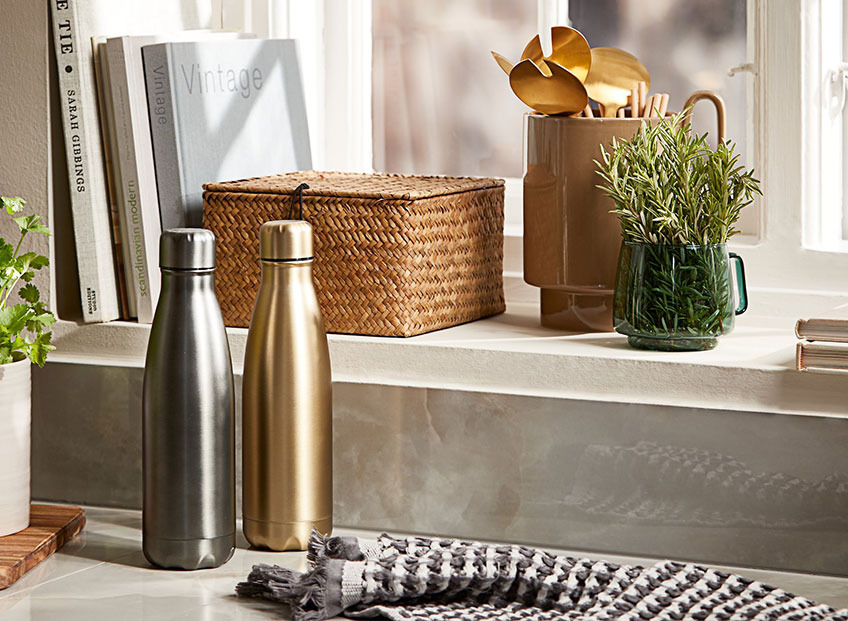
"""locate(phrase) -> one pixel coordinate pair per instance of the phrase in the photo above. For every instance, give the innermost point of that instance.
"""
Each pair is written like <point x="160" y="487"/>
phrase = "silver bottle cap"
<point x="187" y="249"/>
<point x="285" y="240"/>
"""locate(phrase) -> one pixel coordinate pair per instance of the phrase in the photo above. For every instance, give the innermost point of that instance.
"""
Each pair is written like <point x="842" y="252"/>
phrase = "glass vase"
<point x="677" y="298"/>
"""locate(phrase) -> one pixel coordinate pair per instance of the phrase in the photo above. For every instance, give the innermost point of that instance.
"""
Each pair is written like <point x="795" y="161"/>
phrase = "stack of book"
<point x="149" y="116"/>
<point x="824" y="342"/>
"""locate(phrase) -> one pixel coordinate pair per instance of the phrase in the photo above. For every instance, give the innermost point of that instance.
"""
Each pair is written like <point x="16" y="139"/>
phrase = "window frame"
<point x="787" y="239"/>
<point x="823" y="227"/>
<point x="791" y="58"/>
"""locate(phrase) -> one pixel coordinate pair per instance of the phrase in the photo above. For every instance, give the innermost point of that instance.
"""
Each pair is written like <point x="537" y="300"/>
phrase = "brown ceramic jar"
<point x="571" y="239"/>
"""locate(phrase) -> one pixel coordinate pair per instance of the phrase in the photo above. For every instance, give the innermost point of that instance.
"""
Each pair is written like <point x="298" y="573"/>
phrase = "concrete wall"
<point x="706" y="485"/>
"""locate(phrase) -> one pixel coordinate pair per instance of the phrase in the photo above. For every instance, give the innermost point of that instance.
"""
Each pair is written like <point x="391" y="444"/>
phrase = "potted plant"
<point x="677" y="202"/>
<point x="24" y="339"/>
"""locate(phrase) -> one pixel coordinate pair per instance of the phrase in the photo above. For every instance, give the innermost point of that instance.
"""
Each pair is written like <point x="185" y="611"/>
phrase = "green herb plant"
<point x="676" y="200"/>
<point x="23" y="326"/>
<point x="669" y="187"/>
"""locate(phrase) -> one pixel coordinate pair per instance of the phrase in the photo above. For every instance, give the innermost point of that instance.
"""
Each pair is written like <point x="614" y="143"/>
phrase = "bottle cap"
<point x="187" y="249"/>
<point x="285" y="240"/>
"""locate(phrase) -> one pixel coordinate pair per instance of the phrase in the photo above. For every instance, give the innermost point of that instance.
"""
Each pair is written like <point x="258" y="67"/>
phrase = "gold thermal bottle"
<point x="287" y="433"/>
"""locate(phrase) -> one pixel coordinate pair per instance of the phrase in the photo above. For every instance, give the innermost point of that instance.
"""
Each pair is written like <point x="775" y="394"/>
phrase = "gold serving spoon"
<point x="558" y="93"/>
<point x="507" y="66"/>
<point x="503" y="63"/>
<point x="612" y="75"/>
<point x="569" y="49"/>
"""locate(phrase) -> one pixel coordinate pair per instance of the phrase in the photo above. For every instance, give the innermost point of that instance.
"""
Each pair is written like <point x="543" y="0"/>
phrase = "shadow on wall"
<point x="690" y="486"/>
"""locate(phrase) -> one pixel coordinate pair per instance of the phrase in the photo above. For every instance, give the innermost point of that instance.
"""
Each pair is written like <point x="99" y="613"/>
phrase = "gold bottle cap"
<point x="285" y="240"/>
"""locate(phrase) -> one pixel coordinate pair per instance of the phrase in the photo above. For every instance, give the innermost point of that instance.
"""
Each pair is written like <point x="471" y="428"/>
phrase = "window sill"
<point x="752" y="369"/>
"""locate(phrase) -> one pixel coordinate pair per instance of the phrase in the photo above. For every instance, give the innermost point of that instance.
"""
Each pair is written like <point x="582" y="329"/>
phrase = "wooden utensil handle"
<point x="663" y="104"/>
<point x="717" y="101"/>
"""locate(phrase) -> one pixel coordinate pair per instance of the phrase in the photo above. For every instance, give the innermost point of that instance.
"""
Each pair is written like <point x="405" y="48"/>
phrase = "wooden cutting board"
<point x="50" y="526"/>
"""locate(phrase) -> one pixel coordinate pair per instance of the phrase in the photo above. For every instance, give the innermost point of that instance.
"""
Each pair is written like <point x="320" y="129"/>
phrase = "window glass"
<point x="440" y="103"/>
<point x="687" y="45"/>
<point x="845" y="127"/>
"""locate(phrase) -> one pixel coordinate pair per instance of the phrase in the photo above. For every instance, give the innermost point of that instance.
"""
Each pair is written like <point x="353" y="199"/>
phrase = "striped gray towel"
<point x="442" y="579"/>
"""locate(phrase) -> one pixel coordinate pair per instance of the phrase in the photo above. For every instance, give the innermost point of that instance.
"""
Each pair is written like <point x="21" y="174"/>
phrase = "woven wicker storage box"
<point x="395" y="255"/>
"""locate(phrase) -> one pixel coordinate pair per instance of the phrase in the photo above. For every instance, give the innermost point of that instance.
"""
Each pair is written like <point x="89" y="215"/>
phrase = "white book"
<point x="832" y="326"/>
<point x="84" y="157"/>
<point x="821" y="357"/>
<point x="75" y="22"/>
<point x="220" y="111"/>
<point x="137" y="196"/>
<point x="123" y="273"/>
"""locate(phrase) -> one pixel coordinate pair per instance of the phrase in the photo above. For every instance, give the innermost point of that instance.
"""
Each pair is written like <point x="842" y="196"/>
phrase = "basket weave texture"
<point x="395" y="255"/>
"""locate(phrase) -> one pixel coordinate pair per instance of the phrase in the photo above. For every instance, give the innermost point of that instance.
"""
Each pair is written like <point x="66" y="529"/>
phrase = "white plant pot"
<point x="15" y="401"/>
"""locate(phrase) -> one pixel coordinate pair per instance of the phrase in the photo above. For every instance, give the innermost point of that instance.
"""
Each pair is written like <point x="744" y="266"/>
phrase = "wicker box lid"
<point x="358" y="185"/>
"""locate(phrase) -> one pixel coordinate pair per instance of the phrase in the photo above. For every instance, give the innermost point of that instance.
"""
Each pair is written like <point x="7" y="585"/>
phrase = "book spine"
<point x="799" y="357"/>
<point x="163" y="132"/>
<point x="89" y="200"/>
<point x="135" y="212"/>
<point x="123" y="275"/>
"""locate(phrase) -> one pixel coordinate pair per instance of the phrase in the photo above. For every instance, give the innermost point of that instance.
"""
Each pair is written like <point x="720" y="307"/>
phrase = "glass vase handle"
<point x="741" y="286"/>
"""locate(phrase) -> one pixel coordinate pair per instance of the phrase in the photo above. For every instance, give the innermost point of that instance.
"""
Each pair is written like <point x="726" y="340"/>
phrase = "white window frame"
<point x="789" y="239"/>
<point x="823" y="227"/>
<point x="793" y="47"/>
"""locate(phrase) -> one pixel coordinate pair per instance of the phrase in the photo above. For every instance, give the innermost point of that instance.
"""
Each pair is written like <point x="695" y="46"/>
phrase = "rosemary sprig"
<point x="669" y="187"/>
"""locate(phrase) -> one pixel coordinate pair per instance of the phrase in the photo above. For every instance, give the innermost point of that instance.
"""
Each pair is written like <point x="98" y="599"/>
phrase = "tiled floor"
<point x="102" y="574"/>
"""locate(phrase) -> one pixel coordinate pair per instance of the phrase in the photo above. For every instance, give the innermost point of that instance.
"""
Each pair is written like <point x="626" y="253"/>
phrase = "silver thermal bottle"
<point x="188" y="413"/>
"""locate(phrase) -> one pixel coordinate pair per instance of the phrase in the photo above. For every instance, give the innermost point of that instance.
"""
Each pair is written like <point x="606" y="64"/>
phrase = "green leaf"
<point x="40" y="348"/>
<point x="29" y="293"/>
<point x="40" y="229"/>
<point x="30" y="260"/>
<point x="38" y="322"/>
<point x="7" y="252"/>
<point x="13" y="204"/>
<point x="22" y="326"/>
<point x="22" y="222"/>
<point x="33" y="225"/>
<point x="13" y="319"/>
<point x="30" y="224"/>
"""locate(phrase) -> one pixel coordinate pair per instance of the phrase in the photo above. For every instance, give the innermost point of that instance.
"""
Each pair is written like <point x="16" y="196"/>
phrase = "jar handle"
<point x="741" y="286"/>
<point x="717" y="101"/>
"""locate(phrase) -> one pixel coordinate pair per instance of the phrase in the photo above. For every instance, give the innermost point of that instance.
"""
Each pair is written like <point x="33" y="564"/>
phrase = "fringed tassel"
<point x="316" y="548"/>
<point x="270" y="582"/>
<point x="343" y="547"/>
<point x="305" y="593"/>
<point x="312" y="603"/>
